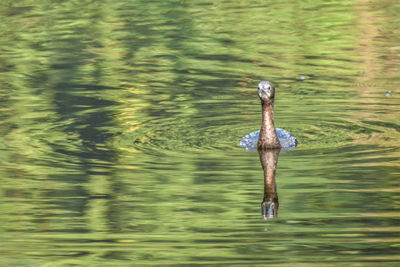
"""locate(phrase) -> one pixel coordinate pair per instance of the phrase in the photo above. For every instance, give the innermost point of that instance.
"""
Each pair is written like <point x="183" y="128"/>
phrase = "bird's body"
<point x="286" y="139"/>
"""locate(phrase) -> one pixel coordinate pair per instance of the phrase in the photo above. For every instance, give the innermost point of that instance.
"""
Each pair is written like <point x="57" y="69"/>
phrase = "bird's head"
<point x="266" y="91"/>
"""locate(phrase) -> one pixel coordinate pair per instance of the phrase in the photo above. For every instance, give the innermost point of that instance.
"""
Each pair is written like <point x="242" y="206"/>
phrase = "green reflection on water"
<point x="120" y="122"/>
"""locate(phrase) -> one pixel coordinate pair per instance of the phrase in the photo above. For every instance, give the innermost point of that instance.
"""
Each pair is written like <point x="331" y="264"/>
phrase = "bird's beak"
<point x="264" y="93"/>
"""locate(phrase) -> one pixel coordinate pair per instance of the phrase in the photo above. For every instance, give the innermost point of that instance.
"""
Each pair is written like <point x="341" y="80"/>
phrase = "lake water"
<point x="120" y="123"/>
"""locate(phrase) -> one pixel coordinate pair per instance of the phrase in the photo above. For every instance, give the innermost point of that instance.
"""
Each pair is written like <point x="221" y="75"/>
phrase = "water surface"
<point x="120" y="122"/>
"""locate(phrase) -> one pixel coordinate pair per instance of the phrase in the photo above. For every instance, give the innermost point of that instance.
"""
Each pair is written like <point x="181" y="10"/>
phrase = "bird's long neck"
<point x="267" y="138"/>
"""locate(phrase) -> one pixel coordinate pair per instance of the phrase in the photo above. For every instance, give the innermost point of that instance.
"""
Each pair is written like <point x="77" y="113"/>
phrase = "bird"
<point x="268" y="137"/>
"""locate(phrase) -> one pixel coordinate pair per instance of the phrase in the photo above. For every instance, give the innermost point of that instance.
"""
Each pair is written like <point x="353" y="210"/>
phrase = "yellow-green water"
<point x="120" y="121"/>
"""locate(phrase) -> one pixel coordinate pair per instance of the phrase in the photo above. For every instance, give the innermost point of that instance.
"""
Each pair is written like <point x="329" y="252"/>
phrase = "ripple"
<point x="181" y="137"/>
<point x="186" y="135"/>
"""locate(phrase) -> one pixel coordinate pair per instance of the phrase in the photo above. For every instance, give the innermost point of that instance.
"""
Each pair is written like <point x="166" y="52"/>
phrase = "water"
<point x="120" y="123"/>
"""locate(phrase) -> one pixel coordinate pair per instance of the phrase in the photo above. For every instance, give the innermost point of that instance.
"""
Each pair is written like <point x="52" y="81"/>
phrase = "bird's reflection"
<point x="270" y="203"/>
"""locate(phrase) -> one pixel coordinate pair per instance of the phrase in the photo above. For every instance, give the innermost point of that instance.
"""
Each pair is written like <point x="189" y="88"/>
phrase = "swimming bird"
<point x="268" y="137"/>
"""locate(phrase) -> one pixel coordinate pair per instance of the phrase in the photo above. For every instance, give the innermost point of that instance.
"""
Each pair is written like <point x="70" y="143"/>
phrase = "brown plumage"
<point x="267" y="138"/>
